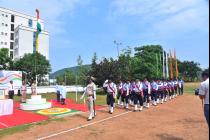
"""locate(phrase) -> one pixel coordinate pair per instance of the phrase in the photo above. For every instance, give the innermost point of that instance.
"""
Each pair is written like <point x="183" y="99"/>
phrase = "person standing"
<point x="33" y="88"/>
<point x="204" y="94"/>
<point x="138" y="96"/>
<point x="23" y="92"/>
<point x="176" y="87"/>
<point x="58" y="93"/>
<point x="90" y="94"/>
<point x="181" y="86"/>
<point x="63" y="92"/>
<point x="11" y="90"/>
<point x="111" y="93"/>
<point x="146" y="91"/>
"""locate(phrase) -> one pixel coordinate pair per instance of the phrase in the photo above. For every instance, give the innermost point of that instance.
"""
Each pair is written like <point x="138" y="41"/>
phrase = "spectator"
<point x="204" y="94"/>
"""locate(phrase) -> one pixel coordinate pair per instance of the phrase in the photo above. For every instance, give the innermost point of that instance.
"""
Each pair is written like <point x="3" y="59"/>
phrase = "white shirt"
<point x="139" y="87"/>
<point x="11" y="87"/>
<point x="111" y="87"/>
<point x="204" y="90"/>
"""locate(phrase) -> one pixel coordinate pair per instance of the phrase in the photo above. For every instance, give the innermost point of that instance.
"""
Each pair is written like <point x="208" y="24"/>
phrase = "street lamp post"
<point x="117" y="44"/>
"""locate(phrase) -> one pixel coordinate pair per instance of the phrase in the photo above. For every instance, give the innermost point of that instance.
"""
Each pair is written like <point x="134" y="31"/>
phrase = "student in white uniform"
<point x="63" y="93"/>
<point x="111" y="93"/>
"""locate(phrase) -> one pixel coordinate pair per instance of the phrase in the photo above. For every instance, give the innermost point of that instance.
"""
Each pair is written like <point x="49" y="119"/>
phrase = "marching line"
<point x="83" y="126"/>
<point x="3" y="124"/>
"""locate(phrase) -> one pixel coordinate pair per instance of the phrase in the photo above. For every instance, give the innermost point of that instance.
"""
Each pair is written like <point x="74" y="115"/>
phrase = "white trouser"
<point x="90" y="107"/>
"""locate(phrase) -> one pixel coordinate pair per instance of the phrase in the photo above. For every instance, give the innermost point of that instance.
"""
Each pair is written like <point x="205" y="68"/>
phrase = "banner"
<point x="7" y="76"/>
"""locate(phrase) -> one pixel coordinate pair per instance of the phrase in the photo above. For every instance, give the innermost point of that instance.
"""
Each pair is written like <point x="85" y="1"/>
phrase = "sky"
<point x="82" y="27"/>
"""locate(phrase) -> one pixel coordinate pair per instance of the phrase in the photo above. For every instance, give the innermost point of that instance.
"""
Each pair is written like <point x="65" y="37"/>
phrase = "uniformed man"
<point x="138" y="95"/>
<point x="125" y="95"/>
<point x="90" y="94"/>
<point x="172" y="87"/>
<point x="58" y="94"/>
<point x="146" y="91"/>
<point x="154" y="92"/>
<point x="11" y="90"/>
<point x="111" y="93"/>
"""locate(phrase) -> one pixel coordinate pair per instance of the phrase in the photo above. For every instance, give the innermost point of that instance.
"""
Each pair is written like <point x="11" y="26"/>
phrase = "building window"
<point x="11" y="45"/>
<point x="30" y="23"/>
<point x="12" y="27"/>
<point x="11" y="54"/>
<point x="12" y="36"/>
<point x="6" y="25"/>
<point x="5" y="43"/>
<point x="12" y="18"/>
<point x="5" y="34"/>
<point x="6" y="15"/>
<point x="2" y="33"/>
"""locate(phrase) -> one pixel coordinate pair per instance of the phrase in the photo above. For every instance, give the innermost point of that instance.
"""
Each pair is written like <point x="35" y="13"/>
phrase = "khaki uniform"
<point x="90" y="94"/>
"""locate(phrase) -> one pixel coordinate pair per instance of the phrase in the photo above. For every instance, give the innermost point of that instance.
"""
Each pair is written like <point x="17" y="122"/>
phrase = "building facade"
<point x="17" y="33"/>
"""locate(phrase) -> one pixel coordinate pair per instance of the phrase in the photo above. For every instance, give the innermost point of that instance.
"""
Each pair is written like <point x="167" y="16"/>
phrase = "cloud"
<point x="164" y="16"/>
<point x="51" y="10"/>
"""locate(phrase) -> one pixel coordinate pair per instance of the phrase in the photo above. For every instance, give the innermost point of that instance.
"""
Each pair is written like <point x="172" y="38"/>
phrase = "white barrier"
<point x="52" y="89"/>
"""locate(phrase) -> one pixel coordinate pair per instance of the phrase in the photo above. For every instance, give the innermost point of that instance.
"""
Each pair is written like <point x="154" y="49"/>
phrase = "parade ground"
<point x="179" y="119"/>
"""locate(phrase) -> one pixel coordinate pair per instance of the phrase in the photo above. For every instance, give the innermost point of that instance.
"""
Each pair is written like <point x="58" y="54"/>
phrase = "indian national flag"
<point x="38" y="28"/>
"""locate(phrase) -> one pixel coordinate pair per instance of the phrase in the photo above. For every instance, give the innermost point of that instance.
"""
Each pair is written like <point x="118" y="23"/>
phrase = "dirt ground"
<point x="180" y="119"/>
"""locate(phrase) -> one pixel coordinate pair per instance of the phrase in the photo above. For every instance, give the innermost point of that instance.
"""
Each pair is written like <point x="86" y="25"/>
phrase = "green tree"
<point x="33" y="64"/>
<point x="189" y="70"/>
<point x="5" y="60"/>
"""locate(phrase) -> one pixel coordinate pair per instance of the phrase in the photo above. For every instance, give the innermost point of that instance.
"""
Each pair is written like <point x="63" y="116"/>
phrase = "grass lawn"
<point x="101" y="100"/>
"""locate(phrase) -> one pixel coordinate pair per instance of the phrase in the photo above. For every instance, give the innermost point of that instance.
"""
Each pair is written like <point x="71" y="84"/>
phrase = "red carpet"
<point x="20" y="117"/>
<point x="72" y="105"/>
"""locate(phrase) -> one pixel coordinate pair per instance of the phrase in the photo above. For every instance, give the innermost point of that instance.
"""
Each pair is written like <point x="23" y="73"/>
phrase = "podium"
<point x="6" y="107"/>
<point x="35" y="103"/>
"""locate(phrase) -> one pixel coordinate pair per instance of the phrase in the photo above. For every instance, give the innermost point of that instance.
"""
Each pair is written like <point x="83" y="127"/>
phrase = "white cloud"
<point x="165" y="16"/>
<point x="50" y="10"/>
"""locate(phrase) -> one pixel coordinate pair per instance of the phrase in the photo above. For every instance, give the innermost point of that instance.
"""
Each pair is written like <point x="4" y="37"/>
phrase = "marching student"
<point x="120" y="92"/>
<point x="172" y="87"/>
<point x="175" y="87"/>
<point x="132" y="92"/>
<point x="138" y="95"/>
<point x="146" y="91"/>
<point x="125" y="95"/>
<point x="166" y="90"/>
<point x="160" y="90"/>
<point x="154" y="92"/>
<point x="111" y="93"/>
<point x="90" y="94"/>
<point x="11" y="90"/>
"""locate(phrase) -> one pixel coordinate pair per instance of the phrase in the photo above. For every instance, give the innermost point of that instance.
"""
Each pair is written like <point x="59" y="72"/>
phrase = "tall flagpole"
<point x="163" y="64"/>
<point x="157" y="64"/>
<point x="167" y="72"/>
<point x="176" y="65"/>
<point x="171" y="66"/>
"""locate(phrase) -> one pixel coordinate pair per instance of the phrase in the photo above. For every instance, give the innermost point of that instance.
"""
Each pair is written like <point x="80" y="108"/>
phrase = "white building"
<point x="17" y="33"/>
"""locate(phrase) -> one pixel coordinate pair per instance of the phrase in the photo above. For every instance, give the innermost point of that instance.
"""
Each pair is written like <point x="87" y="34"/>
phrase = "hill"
<point x="73" y="69"/>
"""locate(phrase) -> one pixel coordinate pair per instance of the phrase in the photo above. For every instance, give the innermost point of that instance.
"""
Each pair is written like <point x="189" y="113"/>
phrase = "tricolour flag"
<point x="38" y="29"/>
